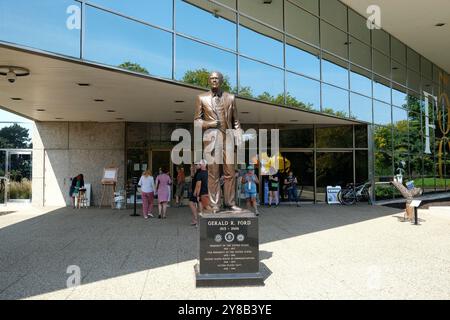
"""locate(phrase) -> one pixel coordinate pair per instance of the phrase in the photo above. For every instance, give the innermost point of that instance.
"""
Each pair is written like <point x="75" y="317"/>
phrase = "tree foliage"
<point x="135" y="67"/>
<point x="14" y="137"/>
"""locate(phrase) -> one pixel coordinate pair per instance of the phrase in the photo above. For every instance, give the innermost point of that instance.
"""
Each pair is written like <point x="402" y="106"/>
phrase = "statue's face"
<point x="215" y="81"/>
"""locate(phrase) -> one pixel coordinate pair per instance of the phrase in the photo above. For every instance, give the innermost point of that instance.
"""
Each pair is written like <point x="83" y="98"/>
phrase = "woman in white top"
<point x="147" y="185"/>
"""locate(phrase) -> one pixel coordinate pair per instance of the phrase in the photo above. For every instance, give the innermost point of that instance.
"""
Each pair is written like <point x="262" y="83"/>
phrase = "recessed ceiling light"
<point x="178" y="119"/>
<point x="111" y="111"/>
<point x="119" y="118"/>
<point x="40" y="110"/>
<point x="99" y="100"/>
<point x="179" y="112"/>
<point x="294" y="120"/>
<point x="16" y="99"/>
<point x="179" y="101"/>
<point x="395" y="68"/>
<point x="440" y="24"/>
<point x="84" y="84"/>
<point x="59" y="118"/>
<point x="245" y="112"/>
<point x="347" y="43"/>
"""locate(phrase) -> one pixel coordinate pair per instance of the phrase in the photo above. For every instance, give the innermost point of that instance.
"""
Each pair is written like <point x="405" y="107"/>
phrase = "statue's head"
<point x="215" y="80"/>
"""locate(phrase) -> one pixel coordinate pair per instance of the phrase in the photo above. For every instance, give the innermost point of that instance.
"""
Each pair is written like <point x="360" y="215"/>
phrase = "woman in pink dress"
<point x="163" y="182"/>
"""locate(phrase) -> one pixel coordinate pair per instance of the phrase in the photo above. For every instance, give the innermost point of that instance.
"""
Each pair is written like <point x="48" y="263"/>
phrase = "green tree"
<point x="14" y="137"/>
<point x="200" y="78"/>
<point x="135" y="67"/>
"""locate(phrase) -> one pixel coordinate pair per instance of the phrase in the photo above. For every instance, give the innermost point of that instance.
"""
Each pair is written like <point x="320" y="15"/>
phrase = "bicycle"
<point x="352" y="194"/>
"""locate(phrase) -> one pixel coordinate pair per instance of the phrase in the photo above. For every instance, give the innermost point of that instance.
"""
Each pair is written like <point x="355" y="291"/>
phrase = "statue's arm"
<point x="236" y="122"/>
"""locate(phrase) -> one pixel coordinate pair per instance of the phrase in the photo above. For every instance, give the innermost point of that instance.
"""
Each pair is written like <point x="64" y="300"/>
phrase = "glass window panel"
<point x="381" y="64"/>
<point x="270" y="13"/>
<point x="302" y="58"/>
<point x="334" y="136"/>
<point x="382" y="138"/>
<point x="194" y="59"/>
<point x="295" y="136"/>
<point x="334" y="12"/>
<point x="361" y="166"/>
<point x="360" y="107"/>
<point x="398" y="50"/>
<point x="335" y="101"/>
<point x="261" y="81"/>
<point x="302" y="92"/>
<point x="156" y="12"/>
<point x="398" y="73"/>
<point x="360" y="53"/>
<point x="361" y="81"/>
<point x="415" y="132"/>
<point x="42" y="24"/>
<point x="310" y="5"/>
<point x="381" y="113"/>
<point x="380" y="41"/>
<point x="414" y="103"/>
<point x="427" y="85"/>
<point x="399" y="96"/>
<point x="335" y="71"/>
<point x="436" y="72"/>
<point x="413" y="60"/>
<point x="413" y="80"/>
<point x="426" y="68"/>
<point x="333" y="169"/>
<point x="192" y="18"/>
<point x="261" y="42"/>
<point x="358" y="26"/>
<point x="381" y="89"/>
<point x="301" y="24"/>
<point x="399" y="117"/>
<point x="120" y="42"/>
<point x="334" y="40"/>
<point x="361" y="136"/>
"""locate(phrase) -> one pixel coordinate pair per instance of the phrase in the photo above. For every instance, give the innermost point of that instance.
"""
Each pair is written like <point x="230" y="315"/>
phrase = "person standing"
<point x="75" y="186"/>
<point x="291" y="186"/>
<point x="201" y="186"/>
<point x="181" y="180"/>
<point x="163" y="183"/>
<point x="249" y="181"/>
<point x="147" y="185"/>
<point x="193" y="201"/>
<point x="274" y="184"/>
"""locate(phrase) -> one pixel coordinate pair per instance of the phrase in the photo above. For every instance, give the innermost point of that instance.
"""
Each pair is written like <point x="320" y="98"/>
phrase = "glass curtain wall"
<point x="315" y="55"/>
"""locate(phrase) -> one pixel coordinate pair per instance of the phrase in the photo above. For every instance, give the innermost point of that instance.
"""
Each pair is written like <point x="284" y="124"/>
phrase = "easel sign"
<point x="110" y="175"/>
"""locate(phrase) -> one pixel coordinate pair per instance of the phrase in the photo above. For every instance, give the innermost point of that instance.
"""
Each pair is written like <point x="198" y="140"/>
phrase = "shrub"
<point x="20" y="190"/>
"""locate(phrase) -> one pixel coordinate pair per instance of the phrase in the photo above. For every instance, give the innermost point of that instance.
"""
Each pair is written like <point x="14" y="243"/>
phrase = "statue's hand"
<point x="214" y="124"/>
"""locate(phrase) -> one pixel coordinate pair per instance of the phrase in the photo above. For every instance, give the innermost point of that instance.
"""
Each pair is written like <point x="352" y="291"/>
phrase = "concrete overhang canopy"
<point x="52" y="93"/>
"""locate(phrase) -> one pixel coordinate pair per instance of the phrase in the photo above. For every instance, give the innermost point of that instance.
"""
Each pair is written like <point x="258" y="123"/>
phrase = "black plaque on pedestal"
<point x="229" y="250"/>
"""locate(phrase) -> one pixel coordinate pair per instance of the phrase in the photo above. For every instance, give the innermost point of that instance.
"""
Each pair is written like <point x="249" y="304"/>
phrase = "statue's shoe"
<point x="236" y="209"/>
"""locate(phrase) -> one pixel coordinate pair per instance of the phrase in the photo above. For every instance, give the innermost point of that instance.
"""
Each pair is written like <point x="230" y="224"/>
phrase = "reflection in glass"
<point x="42" y="24"/>
<point x="380" y="40"/>
<point x="381" y="64"/>
<point x="335" y="71"/>
<point x="156" y="12"/>
<point x="335" y="101"/>
<point x="361" y="81"/>
<point x="381" y="113"/>
<point x="398" y="73"/>
<point x="261" y="81"/>
<point x="398" y="51"/>
<point x="334" y="137"/>
<point x="295" y="136"/>
<point x="301" y="24"/>
<point x="310" y="5"/>
<point x="413" y="80"/>
<point x="260" y="42"/>
<point x="333" y="169"/>
<point x="270" y="13"/>
<point x="360" y="53"/>
<point x="302" y="92"/>
<point x="381" y="89"/>
<point x="302" y="165"/>
<point x="302" y="58"/>
<point x="192" y="18"/>
<point x="383" y="164"/>
<point x="117" y="41"/>
<point x="361" y="166"/>
<point x="401" y="131"/>
<point x="360" y="107"/>
<point x="399" y="96"/>
<point x="357" y="25"/>
<point x="194" y="62"/>
<point x="361" y="136"/>
<point x="334" y="40"/>
<point x="413" y="59"/>
<point x="334" y="12"/>
<point x="229" y="3"/>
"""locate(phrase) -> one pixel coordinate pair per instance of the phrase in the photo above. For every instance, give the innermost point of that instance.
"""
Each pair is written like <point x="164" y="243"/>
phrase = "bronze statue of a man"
<point x="216" y="112"/>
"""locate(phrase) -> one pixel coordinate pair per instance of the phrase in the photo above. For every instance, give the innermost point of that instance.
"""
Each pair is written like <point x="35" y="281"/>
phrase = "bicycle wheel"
<point x="349" y="198"/>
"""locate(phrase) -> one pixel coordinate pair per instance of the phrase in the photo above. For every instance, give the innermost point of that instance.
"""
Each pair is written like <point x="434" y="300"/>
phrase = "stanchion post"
<point x="135" y="187"/>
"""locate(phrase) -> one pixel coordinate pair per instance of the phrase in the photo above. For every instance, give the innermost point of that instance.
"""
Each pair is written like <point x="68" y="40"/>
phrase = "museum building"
<point x="107" y="82"/>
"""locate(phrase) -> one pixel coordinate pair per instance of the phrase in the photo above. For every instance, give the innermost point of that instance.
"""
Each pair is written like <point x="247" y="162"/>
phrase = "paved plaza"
<point x="311" y="252"/>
